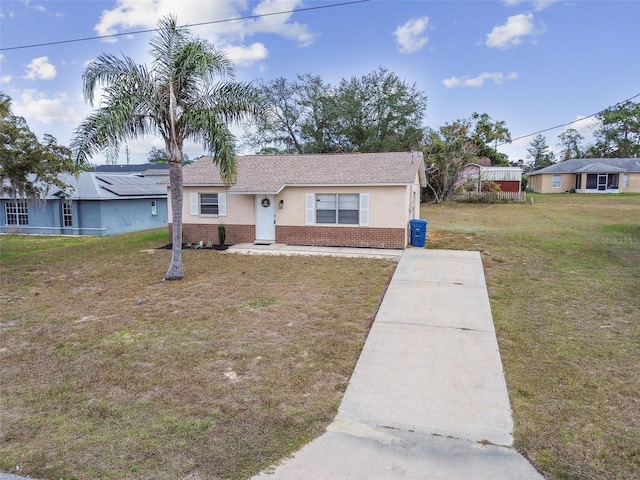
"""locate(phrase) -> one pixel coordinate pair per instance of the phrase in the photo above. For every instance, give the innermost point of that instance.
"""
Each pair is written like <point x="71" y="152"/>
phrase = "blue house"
<point x="95" y="203"/>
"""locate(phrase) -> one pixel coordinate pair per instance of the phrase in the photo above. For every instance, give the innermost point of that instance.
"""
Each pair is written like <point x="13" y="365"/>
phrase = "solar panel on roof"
<point x="135" y="190"/>
<point x="125" y="180"/>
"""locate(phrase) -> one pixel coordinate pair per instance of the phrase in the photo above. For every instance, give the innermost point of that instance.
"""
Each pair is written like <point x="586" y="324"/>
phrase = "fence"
<point x="488" y="197"/>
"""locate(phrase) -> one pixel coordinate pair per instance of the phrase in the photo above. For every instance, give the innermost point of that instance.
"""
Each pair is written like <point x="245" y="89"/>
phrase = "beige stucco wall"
<point x="389" y="206"/>
<point x="240" y="208"/>
<point x="634" y="184"/>
<point x="544" y="183"/>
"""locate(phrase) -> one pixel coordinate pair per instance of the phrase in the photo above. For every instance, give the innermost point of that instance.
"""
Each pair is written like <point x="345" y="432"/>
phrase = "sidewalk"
<point x="284" y="249"/>
<point x="427" y="398"/>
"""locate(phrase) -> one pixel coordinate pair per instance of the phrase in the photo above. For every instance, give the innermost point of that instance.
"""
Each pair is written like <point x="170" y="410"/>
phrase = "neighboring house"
<point x="508" y="178"/>
<point x="588" y="175"/>
<point x="356" y="199"/>
<point x="95" y="203"/>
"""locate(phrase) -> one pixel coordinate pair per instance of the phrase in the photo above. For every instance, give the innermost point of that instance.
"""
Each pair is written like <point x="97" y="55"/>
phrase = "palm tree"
<point x="188" y="94"/>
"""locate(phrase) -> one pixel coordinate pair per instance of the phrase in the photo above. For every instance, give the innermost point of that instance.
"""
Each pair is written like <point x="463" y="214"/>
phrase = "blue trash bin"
<point x="418" y="232"/>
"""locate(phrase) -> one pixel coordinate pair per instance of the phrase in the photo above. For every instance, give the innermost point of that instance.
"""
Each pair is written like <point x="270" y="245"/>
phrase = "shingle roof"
<point x="271" y="173"/>
<point x="143" y="168"/>
<point x="599" y="167"/>
<point x="592" y="165"/>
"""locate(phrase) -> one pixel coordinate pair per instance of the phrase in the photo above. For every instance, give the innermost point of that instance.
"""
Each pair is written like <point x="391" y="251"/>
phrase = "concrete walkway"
<point x="284" y="249"/>
<point x="427" y="399"/>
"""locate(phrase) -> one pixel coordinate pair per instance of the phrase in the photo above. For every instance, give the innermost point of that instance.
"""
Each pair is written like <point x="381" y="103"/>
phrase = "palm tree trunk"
<point x="175" y="179"/>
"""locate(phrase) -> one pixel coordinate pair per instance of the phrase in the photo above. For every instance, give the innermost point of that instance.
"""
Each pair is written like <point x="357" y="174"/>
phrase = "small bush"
<point x="482" y="197"/>
<point x="222" y="234"/>
<point x="489" y="186"/>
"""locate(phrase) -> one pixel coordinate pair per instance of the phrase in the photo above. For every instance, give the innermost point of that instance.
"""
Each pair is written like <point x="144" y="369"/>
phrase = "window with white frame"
<point x="343" y="208"/>
<point x="625" y="180"/>
<point x="17" y="213"/>
<point x="208" y="204"/>
<point x="556" y="181"/>
<point x="67" y="214"/>
<point x="338" y="209"/>
<point x="154" y="207"/>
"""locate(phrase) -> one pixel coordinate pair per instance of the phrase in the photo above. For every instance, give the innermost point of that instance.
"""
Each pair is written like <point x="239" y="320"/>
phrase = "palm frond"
<point x="107" y="70"/>
<point x="234" y="102"/>
<point x="206" y="127"/>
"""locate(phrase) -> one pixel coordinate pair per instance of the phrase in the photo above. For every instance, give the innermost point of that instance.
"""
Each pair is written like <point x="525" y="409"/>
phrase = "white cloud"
<point x="40" y="68"/>
<point x="585" y="126"/>
<point x="247" y="55"/>
<point x="479" y="80"/>
<point x="35" y="105"/>
<point x="4" y="78"/>
<point x="537" y="4"/>
<point x="511" y="33"/>
<point x="279" y="24"/>
<point x="39" y="8"/>
<point x="410" y="36"/>
<point x="128" y="15"/>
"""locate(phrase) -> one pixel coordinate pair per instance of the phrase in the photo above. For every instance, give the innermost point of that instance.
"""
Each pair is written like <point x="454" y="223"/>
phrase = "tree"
<point x="619" y="133"/>
<point x="188" y="93"/>
<point x="158" y="156"/>
<point x="447" y="151"/>
<point x="481" y="131"/>
<point x="380" y="113"/>
<point x="486" y="134"/>
<point x="374" y="113"/>
<point x="570" y="144"/>
<point x="320" y="123"/>
<point x="539" y="153"/>
<point x="28" y="168"/>
<point x="296" y="117"/>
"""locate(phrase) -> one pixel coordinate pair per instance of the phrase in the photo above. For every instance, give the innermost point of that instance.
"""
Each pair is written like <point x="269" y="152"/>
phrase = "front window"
<point x="17" y="213"/>
<point x="592" y="181"/>
<point x="340" y="208"/>
<point x="625" y="180"/>
<point x="209" y="203"/>
<point x="556" y="181"/>
<point x="67" y="214"/>
<point x="612" y="181"/>
<point x="154" y="207"/>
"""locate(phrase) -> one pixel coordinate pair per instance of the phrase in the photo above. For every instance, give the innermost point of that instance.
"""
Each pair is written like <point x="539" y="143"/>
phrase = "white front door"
<point x="265" y="218"/>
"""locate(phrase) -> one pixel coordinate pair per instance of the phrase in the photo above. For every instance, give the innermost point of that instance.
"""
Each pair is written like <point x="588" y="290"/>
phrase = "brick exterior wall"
<point x="208" y="233"/>
<point x="342" y="236"/>
<point x="297" y="235"/>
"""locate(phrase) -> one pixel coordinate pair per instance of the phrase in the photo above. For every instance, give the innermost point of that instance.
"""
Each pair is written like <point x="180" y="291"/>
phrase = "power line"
<point x="568" y="123"/>
<point x="248" y="17"/>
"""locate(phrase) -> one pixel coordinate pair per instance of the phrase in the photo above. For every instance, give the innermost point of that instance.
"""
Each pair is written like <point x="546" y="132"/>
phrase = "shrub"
<point x="222" y="234"/>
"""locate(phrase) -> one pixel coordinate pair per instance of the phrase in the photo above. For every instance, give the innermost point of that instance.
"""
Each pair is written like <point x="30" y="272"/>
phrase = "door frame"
<point x="265" y="218"/>
<point x="602" y="186"/>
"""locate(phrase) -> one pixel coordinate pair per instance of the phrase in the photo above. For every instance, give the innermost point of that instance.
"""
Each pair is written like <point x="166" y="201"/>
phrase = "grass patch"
<point x="564" y="282"/>
<point x="109" y="372"/>
<point x="14" y="246"/>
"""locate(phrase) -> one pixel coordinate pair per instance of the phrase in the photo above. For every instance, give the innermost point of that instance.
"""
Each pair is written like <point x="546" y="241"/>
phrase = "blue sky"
<point x="533" y="64"/>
